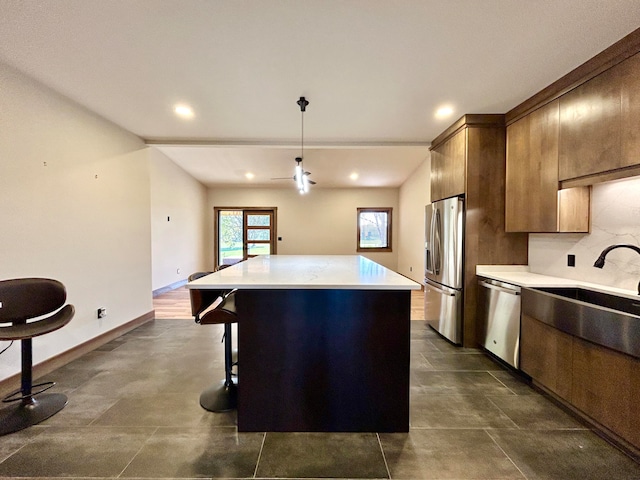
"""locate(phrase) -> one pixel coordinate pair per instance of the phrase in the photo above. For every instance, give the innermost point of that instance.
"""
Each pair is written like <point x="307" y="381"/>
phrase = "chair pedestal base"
<point x="24" y="414"/>
<point x="220" y="398"/>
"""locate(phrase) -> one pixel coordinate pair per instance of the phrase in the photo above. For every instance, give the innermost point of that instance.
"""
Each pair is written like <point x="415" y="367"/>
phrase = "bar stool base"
<point x="31" y="412"/>
<point x="220" y="398"/>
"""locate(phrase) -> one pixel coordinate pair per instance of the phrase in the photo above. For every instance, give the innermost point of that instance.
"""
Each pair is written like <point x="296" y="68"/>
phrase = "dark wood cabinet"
<point x="469" y="158"/>
<point x="534" y="202"/>
<point x="601" y="384"/>
<point x="599" y="116"/>
<point x="546" y="355"/>
<point x="630" y="106"/>
<point x="606" y="386"/>
<point x="590" y="127"/>
<point x="448" y="167"/>
<point x="600" y="122"/>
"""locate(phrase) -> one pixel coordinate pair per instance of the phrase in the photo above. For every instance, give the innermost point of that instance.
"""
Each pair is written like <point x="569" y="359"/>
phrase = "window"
<point x="374" y="229"/>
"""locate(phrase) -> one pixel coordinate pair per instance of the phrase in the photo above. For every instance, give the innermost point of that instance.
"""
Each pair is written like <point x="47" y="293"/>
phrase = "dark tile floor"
<point x="133" y="412"/>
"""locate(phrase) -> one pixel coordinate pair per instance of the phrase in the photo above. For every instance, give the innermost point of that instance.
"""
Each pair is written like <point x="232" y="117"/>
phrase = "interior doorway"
<point x="242" y="233"/>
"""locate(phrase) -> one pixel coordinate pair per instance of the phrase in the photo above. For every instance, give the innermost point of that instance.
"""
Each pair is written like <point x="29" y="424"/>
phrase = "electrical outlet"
<point x="178" y="271"/>
<point x="571" y="260"/>
<point x="102" y="312"/>
<point x="411" y="269"/>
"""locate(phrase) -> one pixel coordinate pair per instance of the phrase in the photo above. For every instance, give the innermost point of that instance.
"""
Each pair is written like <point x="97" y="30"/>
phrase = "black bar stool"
<point x="21" y="302"/>
<point x="210" y="307"/>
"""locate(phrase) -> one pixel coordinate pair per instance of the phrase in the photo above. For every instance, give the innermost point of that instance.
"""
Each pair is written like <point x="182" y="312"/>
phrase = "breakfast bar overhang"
<point x="323" y="343"/>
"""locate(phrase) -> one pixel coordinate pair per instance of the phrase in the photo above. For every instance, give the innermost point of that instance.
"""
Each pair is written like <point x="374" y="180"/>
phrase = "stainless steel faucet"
<point x="599" y="263"/>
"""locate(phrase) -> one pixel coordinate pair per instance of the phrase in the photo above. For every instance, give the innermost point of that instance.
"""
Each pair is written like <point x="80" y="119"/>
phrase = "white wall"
<point x="615" y="219"/>
<point x="323" y="222"/>
<point x="178" y="222"/>
<point x="414" y="196"/>
<point x="82" y="219"/>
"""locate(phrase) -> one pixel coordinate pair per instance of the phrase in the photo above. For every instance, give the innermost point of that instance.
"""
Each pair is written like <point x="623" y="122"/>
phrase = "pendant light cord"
<point x="302" y="103"/>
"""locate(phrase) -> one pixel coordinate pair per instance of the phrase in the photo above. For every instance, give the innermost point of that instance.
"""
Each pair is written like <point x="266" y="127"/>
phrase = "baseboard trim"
<point x="604" y="432"/>
<point x="168" y="288"/>
<point x="12" y="383"/>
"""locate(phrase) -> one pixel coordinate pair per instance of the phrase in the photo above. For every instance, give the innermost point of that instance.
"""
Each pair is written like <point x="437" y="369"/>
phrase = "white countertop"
<point x="349" y="272"/>
<point x="521" y="276"/>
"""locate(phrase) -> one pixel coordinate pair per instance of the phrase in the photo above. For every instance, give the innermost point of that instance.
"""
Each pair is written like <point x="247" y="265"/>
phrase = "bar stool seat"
<point x="22" y="301"/>
<point x="210" y="307"/>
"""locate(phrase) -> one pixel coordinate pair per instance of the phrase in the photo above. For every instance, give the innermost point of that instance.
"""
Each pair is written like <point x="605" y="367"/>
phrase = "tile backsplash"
<point x="615" y="219"/>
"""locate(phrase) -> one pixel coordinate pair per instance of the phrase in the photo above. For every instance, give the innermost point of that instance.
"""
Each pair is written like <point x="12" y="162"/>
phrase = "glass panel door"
<point x="230" y="237"/>
<point x="258" y="233"/>
<point x="244" y="233"/>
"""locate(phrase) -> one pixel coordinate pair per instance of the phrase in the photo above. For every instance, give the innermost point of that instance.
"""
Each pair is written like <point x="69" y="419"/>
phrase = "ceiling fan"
<point x="300" y="176"/>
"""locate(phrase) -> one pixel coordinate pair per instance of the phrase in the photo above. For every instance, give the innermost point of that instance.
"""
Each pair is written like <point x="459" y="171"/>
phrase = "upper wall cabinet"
<point x="448" y="167"/>
<point x="468" y="158"/>
<point x="533" y="201"/>
<point x="600" y="123"/>
<point x="630" y="106"/>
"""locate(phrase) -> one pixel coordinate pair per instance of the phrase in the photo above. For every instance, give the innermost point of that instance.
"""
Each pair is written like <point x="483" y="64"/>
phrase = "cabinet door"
<point x="574" y="209"/>
<point x="531" y="195"/>
<point x="454" y="172"/>
<point x="606" y="386"/>
<point x="448" y="167"/>
<point x="631" y="111"/>
<point x="438" y="160"/>
<point x="590" y="126"/>
<point x="546" y="355"/>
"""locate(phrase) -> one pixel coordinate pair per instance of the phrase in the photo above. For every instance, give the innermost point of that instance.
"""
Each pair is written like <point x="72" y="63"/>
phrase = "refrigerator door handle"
<point x="440" y="290"/>
<point x="430" y="247"/>
<point x="437" y="254"/>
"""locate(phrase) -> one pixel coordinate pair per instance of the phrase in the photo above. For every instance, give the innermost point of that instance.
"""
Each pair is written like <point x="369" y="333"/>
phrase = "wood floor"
<point x="175" y="304"/>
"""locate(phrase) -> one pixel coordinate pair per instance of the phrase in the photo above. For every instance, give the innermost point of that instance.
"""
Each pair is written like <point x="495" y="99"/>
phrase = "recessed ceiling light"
<point x="444" y="111"/>
<point x="353" y="176"/>
<point x="249" y="175"/>
<point x="183" y="111"/>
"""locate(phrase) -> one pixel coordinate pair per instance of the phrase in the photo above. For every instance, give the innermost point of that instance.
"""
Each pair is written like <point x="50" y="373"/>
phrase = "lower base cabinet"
<point x="606" y="386"/>
<point x="546" y="355"/>
<point x="599" y="382"/>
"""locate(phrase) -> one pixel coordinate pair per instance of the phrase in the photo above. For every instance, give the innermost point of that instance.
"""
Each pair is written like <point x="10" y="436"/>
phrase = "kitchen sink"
<point x="622" y="304"/>
<point x="604" y="319"/>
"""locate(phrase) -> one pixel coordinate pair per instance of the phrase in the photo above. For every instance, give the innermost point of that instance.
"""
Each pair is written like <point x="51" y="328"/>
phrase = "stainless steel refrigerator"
<point x="444" y="240"/>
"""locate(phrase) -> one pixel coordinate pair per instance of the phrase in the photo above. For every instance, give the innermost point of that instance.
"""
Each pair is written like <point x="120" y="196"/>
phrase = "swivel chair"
<point x="210" y="307"/>
<point x="21" y="302"/>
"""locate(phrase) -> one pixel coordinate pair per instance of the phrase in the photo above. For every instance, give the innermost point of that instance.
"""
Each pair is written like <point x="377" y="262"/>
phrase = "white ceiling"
<point x="374" y="72"/>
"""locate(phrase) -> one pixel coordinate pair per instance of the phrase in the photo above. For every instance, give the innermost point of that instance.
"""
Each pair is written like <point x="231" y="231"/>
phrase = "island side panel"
<point x="323" y="360"/>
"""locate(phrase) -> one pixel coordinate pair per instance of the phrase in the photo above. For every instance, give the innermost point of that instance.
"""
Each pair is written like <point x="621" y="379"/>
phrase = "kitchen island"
<point x="323" y="343"/>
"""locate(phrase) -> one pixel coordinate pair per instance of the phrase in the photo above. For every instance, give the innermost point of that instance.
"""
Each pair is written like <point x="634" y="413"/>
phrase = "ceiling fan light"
<point x="305" y="183"/>
<point x="298" y="176"/>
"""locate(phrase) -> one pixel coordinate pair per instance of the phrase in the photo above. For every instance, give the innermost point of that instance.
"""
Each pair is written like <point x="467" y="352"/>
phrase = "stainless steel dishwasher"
<point x="499" y="312"/>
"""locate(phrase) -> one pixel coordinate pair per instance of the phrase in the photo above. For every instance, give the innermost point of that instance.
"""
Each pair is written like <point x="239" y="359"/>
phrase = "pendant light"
<point x="302" y="180"/>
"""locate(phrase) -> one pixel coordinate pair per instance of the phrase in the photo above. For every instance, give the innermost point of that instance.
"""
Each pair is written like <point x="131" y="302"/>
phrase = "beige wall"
<point x="178" y="222"/>
<point x="95" y="217"/>
<point x="322" y="222"/>
<point x="83" y="218"/>
<point x="414" y="196"/>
